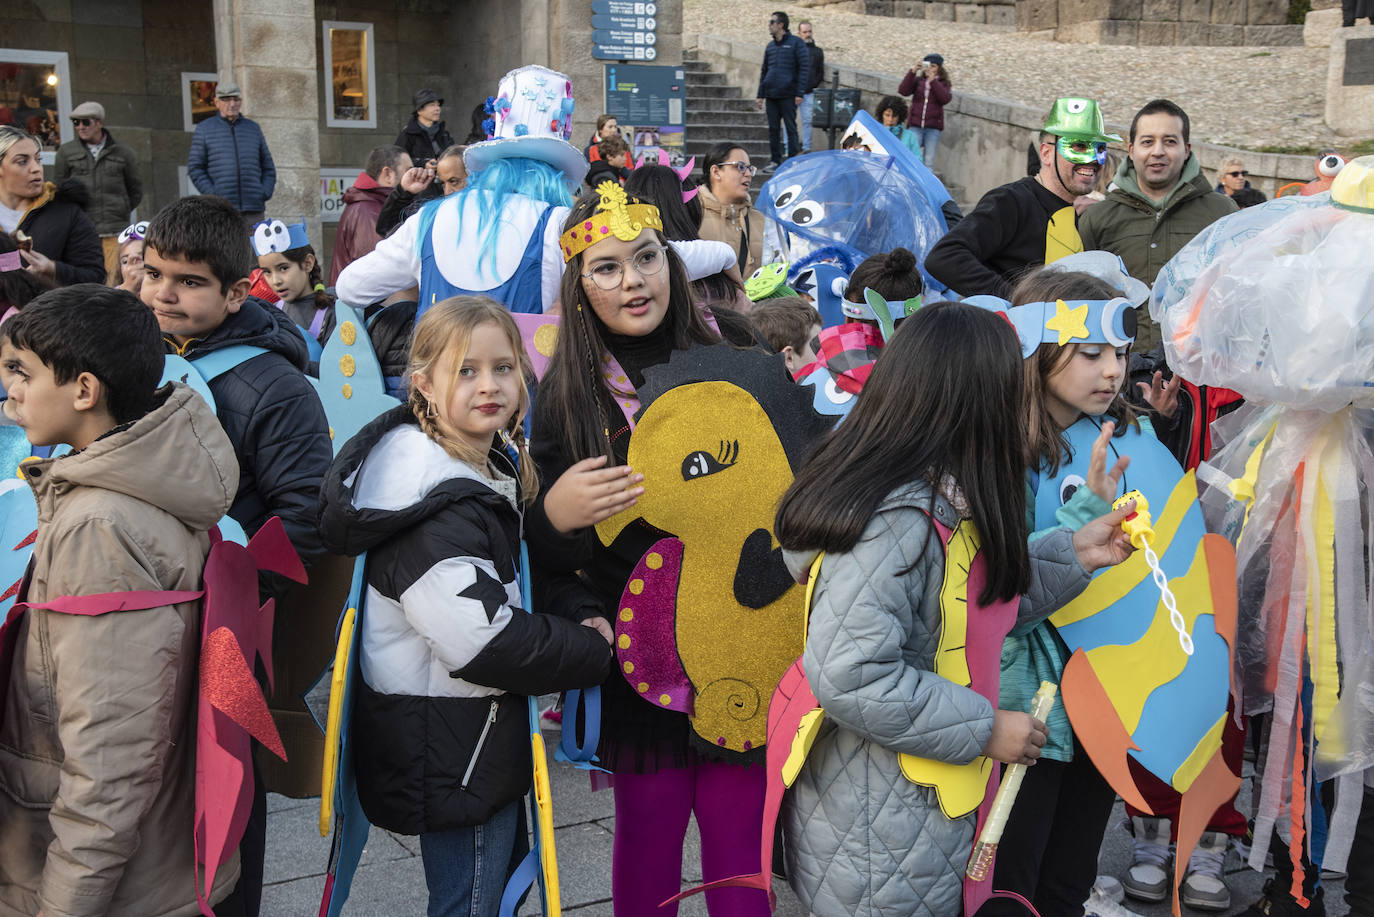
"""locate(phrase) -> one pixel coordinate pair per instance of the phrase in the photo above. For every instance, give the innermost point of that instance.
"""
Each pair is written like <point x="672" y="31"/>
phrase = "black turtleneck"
<point x="636" y="354"/>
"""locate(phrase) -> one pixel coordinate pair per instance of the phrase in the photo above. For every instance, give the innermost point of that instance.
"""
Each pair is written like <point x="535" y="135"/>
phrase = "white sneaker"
<point x="1203" y="886"/>
<point x="1148" y="877"/>
<point x="1108" y="887"/>
<point x="1098" y="905"/>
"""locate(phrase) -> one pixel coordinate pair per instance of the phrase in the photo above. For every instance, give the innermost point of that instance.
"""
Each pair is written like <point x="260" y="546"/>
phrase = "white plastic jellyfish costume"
<point x="1277" y="303"/>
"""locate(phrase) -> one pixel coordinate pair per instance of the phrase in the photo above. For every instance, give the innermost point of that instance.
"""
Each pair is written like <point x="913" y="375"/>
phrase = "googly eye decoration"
<point x="271" y="237"/>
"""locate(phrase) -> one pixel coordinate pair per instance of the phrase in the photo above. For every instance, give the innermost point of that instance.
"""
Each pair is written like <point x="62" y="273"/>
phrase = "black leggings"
<point x="1049" y="849"/>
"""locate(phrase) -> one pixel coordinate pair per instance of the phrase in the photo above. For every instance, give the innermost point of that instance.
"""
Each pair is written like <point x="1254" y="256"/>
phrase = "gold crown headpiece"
<point x="614" y="216"/>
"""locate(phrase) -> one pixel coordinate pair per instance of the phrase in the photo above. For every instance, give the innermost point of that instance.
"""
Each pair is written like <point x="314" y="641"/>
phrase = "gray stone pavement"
<point x="391" y="882"/>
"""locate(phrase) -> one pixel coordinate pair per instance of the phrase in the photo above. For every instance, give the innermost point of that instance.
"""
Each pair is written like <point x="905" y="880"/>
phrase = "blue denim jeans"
<point x="466" y="868"/>
<point x="930" y="139"/>
<point x="808" y="106"/>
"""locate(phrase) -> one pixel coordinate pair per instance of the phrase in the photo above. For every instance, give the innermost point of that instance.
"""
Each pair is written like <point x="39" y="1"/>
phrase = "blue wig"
<point x="504" y="177"/>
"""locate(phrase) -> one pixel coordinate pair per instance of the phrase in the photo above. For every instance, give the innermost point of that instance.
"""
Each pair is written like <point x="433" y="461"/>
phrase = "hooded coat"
<point x="357" y="233"/>
<point x="862" y="839"/>
<point x="275" y="421"/>
<point x="1147" y="233"/>
<point x="447" y="652"/>
<point x="97" y="745"/>
<point x="57" y="222"/>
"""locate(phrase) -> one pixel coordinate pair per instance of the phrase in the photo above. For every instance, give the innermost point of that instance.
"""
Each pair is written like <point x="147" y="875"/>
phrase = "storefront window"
<point x="349" y="81"/>
<point x="36" y="95"/>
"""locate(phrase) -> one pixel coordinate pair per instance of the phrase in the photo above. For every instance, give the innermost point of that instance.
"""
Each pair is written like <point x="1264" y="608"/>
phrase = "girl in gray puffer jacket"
<point x="903" y="649"/>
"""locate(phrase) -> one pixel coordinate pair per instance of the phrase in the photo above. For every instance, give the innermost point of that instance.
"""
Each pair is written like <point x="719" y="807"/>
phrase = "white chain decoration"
<point x="1185" y="640"/>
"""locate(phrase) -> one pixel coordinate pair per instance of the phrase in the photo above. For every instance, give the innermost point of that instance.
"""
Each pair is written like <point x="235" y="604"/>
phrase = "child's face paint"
<point x="289" y="280"/>
<point x="637" y="303"/>
<point x="1086" y="383"/>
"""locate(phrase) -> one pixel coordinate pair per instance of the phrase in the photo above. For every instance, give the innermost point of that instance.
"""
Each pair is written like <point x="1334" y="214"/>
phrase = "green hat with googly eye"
<point x="1079" y="119"/>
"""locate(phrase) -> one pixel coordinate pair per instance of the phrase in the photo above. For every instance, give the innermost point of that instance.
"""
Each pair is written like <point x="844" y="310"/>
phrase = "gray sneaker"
<point x="1148" y="877"/>
<point x="1203" y="886"/>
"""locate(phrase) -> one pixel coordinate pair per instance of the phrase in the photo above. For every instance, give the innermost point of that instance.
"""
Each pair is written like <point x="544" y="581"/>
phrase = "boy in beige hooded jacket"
<point x="98" y="723"/>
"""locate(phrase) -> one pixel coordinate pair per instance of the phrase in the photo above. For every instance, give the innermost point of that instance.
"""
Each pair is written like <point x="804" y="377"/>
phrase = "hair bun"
<point x="901" y="261"/>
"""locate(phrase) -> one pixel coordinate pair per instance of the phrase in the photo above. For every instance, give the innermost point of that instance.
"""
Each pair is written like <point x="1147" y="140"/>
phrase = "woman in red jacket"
<point x="928" y="85"/>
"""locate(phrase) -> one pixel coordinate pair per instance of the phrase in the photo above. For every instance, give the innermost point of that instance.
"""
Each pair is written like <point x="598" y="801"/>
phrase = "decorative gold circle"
<point x="654" y="560"/>
<point x="629" y="668"/>
<point x="627" y="614"/>
<point x="664" y="699"/>
<point x="347" y="390"/>
<point x="348" y="333"/>
<point x="545" y="338"/>
<point x="636" y="586"/>
<point x="347" y="365"/>
<point x="642" y="686"/>
<point x="624" y="641"/>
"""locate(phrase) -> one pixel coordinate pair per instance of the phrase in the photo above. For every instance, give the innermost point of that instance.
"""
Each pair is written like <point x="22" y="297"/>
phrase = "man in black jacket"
<point x="783" y="81"/>
<point x="817" y="77"/>
<point x="1031" y="221"/>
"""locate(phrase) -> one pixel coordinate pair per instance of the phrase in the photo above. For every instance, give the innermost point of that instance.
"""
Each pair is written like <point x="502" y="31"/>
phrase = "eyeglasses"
<point x="1082" y="152"/>
<point x="610" y="273"/>
<point x="83" y="122"/>
<point x="137" y="230"/>
<point x="1240" y="174"/>
<point x="744" y="167"/>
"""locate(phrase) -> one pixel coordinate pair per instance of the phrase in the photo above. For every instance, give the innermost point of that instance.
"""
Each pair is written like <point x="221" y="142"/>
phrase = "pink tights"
<point x="651" y="813"/>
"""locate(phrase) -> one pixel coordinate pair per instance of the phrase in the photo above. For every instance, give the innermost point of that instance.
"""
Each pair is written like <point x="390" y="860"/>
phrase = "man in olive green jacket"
<point x="1158" y="202"/>
<point x="109" y="169"/>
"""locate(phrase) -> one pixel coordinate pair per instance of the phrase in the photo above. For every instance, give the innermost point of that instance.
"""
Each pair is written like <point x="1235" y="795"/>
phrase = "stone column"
<point x="1350" y="82"/>
<point x="268" y="48"/>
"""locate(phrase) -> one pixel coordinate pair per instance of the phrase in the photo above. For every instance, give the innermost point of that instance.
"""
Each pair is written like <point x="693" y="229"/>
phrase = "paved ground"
<point x="1246" y="97"/>
<point x="391" y="882"/>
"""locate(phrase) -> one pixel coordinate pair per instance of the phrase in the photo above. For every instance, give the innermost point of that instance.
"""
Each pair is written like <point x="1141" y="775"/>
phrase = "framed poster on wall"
<point x="36" y="96"/>
<point x="197" y="98"/>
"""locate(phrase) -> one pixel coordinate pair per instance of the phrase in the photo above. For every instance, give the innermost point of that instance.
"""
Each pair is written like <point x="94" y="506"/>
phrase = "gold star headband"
<point x="614" y="216"/>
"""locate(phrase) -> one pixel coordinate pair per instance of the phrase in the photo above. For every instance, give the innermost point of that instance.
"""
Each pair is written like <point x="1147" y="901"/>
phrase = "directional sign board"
<point x="639" y="94"/>
<point x="624" y="29"/>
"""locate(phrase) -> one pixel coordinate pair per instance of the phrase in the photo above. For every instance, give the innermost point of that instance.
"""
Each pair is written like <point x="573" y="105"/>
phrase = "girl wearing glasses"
<point x="627" y="305"/>
<point x="727" y="212"/>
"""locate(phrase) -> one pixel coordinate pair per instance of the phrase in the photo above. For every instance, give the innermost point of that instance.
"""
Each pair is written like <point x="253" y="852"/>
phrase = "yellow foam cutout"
<point x="1111" y="586"/>
<point x="733" y="655"/>
<point x="801" y="744"/>
<point x="1193" y="765"/>
<point x="1130" y="673"/>
<point x="333" y="723"/>
<point x="1061" y="235"/>
<point x="958" y="787"/>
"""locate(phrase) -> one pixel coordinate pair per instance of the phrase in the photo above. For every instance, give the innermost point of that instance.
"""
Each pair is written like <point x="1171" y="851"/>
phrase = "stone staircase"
<point x="718" y="111"/>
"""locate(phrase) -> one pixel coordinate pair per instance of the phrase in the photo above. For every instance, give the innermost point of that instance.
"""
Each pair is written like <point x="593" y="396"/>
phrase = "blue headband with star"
<point x="1079" y="321"/>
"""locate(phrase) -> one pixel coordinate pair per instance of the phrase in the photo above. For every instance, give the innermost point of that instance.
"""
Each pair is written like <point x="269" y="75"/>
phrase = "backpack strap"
<point x="218" y="362"/>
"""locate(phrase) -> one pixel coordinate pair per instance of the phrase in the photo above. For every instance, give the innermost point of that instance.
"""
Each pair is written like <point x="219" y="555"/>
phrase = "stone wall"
<point x="985" y="139"/>
<point x="1161" y="22"/>
<point x="991" y="12"/>
<point x="128" y="55"/>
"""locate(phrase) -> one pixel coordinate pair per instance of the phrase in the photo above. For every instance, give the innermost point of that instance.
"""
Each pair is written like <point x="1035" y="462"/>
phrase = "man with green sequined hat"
<point x="1031" y="221"/>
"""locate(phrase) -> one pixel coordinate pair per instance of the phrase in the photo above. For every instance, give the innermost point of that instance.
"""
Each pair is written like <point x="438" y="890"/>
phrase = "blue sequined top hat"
<point x="530" y="117"/>
<point x="274" y="236"/>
